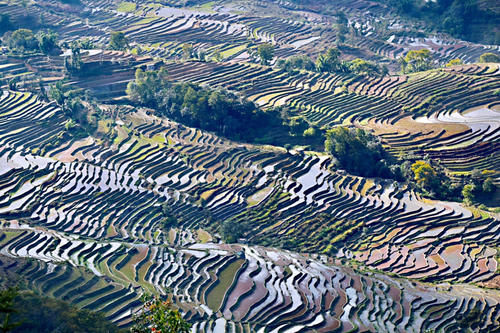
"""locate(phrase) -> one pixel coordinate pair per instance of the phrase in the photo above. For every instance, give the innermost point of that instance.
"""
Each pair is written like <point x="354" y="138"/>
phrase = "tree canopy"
<point x="489" y="57"/>
<point x="214" y="110"/>
<point x="329" y="61"/>
<point x="158" y="315"/>
<point x="22" y="40"/>
<point x="416" y="61"/>
<point x="296" y="63"/>
<point x="118" y="41"/>
<point x="266" y="53"/>
<point x="357" y="152"/>
<point x="47" y="41"/>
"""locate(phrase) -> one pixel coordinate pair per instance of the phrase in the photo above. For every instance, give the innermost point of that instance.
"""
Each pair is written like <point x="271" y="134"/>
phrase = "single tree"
<point x="489" y="186"/>
<point x="187" y="51"/>
<point x="266" y="53"/>
<point x="118" y="41"/>
<point x="424" y="174"/>
<point x="218" y="55"/>
<point x="454" y="62"/>
<point x="468" y="193"/>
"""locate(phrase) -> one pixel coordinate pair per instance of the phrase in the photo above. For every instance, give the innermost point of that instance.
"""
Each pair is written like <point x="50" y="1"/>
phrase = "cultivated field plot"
<point x="83" y="216"/>
<point x="100" y="207"/>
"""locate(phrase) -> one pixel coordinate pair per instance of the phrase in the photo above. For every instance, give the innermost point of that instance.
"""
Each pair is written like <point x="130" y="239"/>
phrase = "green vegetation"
<point x="454" y="62"/>
<point x="358" y="152"/>
<point x="47" y="42"/>
<point x="266" y="53"/>
<point x="187" y="51"/>
<point x="158" y="315"/>
<point x="24" y="311"/>
<point x="489" y="57"/>
<point x="329" y="62"/>
<point x="342" y="26"/>
<point x="474" y="20"/>
<point x="416" y="61"/>
<point x="74" y="63"/>
<point x="126" y="7"/>
<point x="118" y="41"/>
<point x="296" y="63"/>
<point x="480" y="187"/>
<point x="431" y="180"/>
<point x="82" y="118"/>
<point x="22" y="40"/>
<point x="233" y="229"/>
<point x="363" y="67"/>
<point x="8" y="309"/>
<point x="169" y="220"/>
<point x="213" y="110"/>
<point x="25" y="41"/>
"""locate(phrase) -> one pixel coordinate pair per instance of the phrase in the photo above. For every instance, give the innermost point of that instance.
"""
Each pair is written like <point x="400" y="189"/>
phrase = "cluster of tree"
<point x="416" y="61"/>
<point x="213" y="110"/>
<point x="25" y="41"/>
<point x="169" y="220"/>
<point x="188" y="52"/>
<point x="24" y="311"/>
<point x="470" y="19"/>
<point x="359" y="153"/>
<point x="489" y="57"/>
<point x="480" y="186"/>
<point x="430" y="179"/>
<point x="82" y="116"/>
<point x="233" y="229"/>
<point x="331" y="62"/>
<point x="296" y="63"/>
<point x="159" y="315"/>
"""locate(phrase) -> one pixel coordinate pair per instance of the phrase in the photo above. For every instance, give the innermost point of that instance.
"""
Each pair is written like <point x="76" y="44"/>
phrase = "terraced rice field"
<point x="81" y="219"/>
<point x="100" y="208"/>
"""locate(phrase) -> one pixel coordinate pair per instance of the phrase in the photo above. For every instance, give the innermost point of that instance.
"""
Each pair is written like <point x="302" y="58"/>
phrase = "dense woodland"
<point x="217" y="110"/>
<point x="25" y="311"/>
<point x="474" y="20"/>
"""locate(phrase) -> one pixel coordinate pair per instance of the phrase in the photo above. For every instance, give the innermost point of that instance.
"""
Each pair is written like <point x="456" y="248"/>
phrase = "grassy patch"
<point x="9" y="235"/>
<point x="259" y="196"/>
<point x="146" y="21"/>
<point x="233" y="51"/>
<point x="126" y="7"/>
<point x="204" y="236"/>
